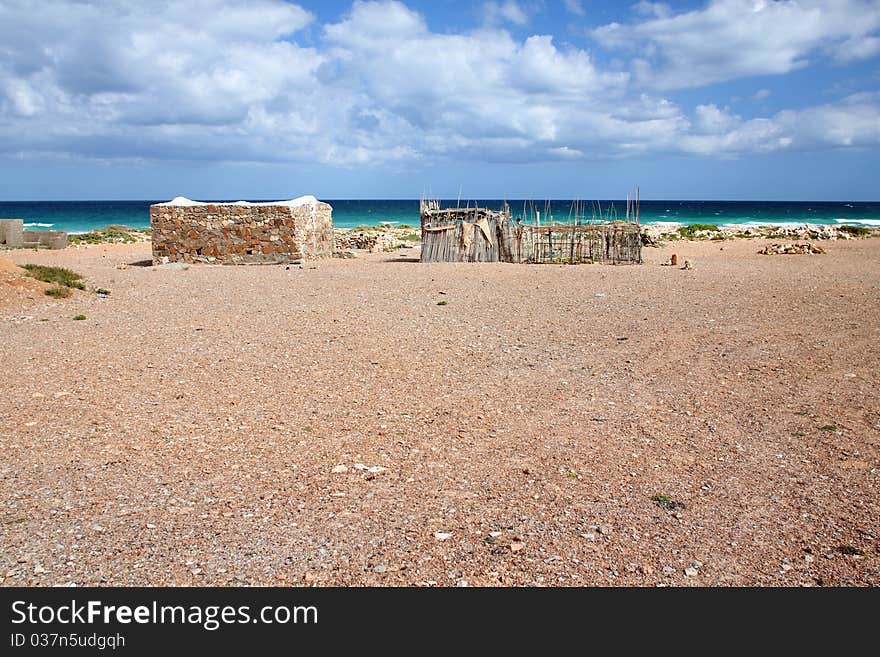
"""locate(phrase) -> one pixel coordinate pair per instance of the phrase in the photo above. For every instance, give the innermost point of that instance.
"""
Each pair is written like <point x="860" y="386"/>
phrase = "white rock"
<point x="339" y="469"/>
<point x="442" y="536"/>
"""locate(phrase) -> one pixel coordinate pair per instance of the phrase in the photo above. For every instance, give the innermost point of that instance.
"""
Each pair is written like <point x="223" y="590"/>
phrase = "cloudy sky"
<point x="727" y="99"/>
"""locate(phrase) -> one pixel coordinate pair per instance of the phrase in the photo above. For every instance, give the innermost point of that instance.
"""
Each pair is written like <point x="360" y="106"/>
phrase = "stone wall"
<point x="241" y="233"/>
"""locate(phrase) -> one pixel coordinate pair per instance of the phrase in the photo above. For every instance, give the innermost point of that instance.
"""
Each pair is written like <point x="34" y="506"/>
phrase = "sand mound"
<point x="17" y="288"/>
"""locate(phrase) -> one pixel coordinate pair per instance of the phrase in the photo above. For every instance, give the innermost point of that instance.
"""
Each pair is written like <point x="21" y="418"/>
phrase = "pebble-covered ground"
<point x="376" y="421"/>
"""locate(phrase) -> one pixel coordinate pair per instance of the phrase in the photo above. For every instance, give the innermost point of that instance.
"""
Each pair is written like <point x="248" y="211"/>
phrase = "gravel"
<point x="193" y="429"/>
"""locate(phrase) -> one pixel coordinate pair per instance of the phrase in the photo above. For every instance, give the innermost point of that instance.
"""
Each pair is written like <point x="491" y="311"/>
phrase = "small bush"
<point x="666" y="502"/>
<point x="101" y="290"/>
<point x="856" y="231"/>
<point x="57" y="275"/>
<point x="111" y="234"/>
<point x="364" y="228"/>
<point x="828" y="427"/>
<point x="404" y="226"/>
<point x="693" y="229"/>
<point x="58" y="292"/>
<point x="79" y="318"/>
<point x="411" y="237"/>
<point x="442" y="303"/>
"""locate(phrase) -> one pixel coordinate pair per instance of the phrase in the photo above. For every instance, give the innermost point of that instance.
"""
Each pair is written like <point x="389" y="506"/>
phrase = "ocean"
<point x="83" y="216"/>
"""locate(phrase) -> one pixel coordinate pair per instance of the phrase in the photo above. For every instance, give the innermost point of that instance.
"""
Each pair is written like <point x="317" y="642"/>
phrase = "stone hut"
<point x="241" y="232"/>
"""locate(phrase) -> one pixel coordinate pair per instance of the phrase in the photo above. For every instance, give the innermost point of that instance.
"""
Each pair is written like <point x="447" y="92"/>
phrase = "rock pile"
<point x="791" y="249"/>
<point x="806" y="231"/>
<point x="652" y="235"/>
<point x="374" y="242"/>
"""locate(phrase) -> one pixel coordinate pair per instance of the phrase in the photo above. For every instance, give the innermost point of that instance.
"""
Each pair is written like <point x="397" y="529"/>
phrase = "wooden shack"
<point x="475" y="234"/>
<point x="467" y="234"/>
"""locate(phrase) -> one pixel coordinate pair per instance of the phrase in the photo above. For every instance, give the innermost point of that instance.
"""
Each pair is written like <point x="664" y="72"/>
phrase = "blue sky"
<point x="724" y="99"/>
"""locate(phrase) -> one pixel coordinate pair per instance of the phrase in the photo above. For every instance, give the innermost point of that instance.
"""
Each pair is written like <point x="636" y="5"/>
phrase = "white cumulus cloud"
<point x="729" y="39"/>
<point x="263" y="81"/>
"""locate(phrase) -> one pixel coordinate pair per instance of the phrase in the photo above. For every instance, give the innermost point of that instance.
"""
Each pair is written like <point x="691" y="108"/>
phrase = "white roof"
<point x="182" y="201"/>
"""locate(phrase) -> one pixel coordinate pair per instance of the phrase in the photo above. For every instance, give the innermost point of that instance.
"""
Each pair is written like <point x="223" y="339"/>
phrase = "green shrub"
<point x="693" y="229"/>
<point x="58" y="275"/>
<point x="404" y="226"/>
<point x="666" y="502"/>
<point x="442" y="303"/>
<point x="79" y="318"/>
<point x="411" y="237"/>
<point x="856" y="231"/>
<point x="58" y="292"/>
<point x="101" y="290"/>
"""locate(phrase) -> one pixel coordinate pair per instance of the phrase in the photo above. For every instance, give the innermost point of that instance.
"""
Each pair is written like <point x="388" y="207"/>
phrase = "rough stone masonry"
<point x="241" y="232"/>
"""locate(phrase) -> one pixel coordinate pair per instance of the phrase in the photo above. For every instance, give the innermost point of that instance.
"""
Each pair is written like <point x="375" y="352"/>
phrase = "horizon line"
<point x="472" y="199"/>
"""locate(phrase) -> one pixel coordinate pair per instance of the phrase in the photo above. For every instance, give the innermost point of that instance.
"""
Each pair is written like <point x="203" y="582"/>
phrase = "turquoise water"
<point x="82" y="216"/>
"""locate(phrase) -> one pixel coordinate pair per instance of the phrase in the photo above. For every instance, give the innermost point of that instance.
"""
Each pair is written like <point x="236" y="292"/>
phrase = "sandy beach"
<point x="339" y="424"/>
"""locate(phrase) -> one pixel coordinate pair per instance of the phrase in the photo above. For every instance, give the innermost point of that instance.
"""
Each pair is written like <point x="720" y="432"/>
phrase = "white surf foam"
<point x="866" y="222"/>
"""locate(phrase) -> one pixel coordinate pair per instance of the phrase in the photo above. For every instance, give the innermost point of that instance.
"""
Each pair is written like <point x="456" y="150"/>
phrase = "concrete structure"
<point x="12" y="233"/>
<point x="241" y="232"/>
